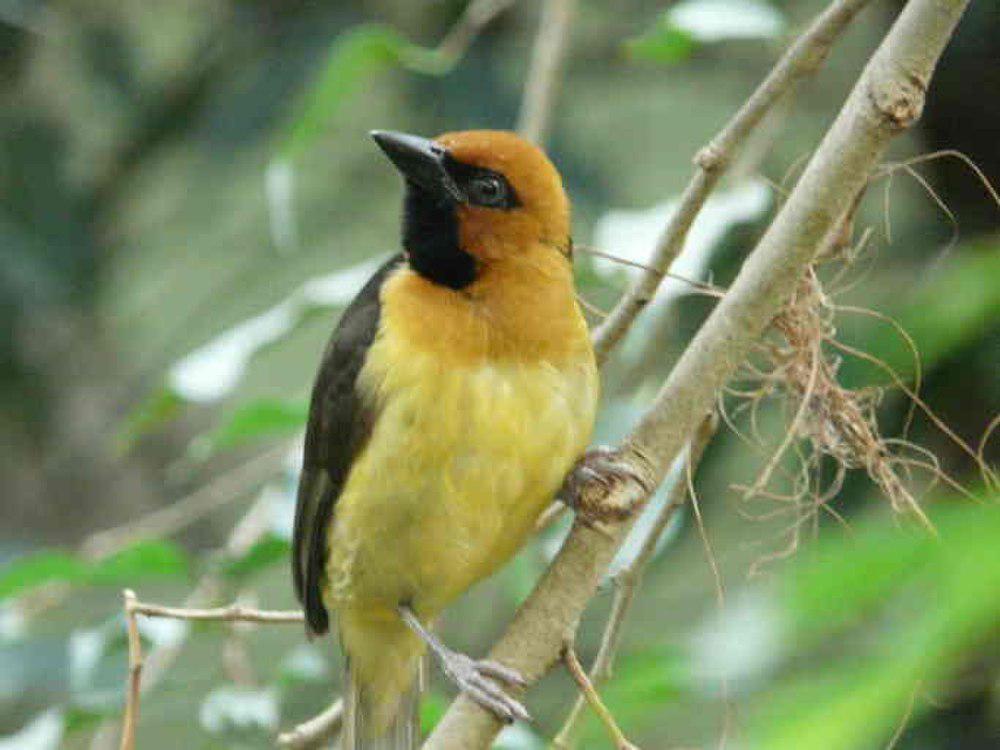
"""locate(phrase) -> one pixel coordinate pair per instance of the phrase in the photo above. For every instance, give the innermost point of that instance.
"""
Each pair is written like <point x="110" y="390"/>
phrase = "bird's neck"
<point x="431" y="240"/>
<point x="521" y="309"/>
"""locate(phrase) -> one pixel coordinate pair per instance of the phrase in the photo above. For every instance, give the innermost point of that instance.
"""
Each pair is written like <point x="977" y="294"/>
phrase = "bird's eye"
<point x="488" y="190"/>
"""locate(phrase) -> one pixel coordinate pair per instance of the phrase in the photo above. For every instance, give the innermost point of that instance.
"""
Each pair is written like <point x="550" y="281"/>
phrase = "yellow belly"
<point x="461" y="461"/>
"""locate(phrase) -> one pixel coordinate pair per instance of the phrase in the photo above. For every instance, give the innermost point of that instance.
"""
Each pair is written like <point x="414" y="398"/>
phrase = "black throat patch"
<point x="430" y="238"/>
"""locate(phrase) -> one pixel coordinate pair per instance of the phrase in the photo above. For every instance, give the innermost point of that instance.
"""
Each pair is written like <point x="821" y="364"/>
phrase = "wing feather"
<point x="340" y="421"/>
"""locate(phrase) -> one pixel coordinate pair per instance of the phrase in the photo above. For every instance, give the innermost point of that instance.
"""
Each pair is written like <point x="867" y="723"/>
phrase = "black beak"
<point x="420" y="161"/>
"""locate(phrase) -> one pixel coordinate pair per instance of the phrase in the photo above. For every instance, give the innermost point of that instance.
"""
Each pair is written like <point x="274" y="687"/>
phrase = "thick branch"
<point x="627" y="583"/>
<point x="887" y="98"/>
<point x="804" y="57"/>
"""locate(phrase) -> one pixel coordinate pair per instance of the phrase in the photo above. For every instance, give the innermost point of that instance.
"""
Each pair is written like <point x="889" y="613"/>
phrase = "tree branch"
<point x="628" y="580"/>
<point x="477" y="15"/>
<point x="248" y="531"/>
<point x="230" y="613"/>
<point x="547" y="60"/>
<point x="130" y="718"/>
<point x="886" y="99"/>
<point x="589" y="693"/>
<point x="802" y="58"/>
<point x="310" y="733"/>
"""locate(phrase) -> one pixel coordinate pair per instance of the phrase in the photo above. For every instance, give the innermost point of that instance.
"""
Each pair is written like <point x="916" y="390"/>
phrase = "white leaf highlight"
<point x="718" y="20"/>
<point x="44" y="732"/>
<point x="213" y="371"/>
<point x="634" y="234"/>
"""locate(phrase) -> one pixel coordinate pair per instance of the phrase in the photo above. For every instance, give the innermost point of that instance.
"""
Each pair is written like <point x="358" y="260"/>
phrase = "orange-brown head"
<point x="473" y="199"/>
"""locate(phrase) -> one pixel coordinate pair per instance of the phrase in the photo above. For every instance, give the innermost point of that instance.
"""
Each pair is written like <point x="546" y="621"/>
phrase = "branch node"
<point x="710" y="158"/>
<point x="899" y="99"/>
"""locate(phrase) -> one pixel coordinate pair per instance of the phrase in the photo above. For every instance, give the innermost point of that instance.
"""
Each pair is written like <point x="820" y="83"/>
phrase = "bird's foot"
<point x="481" y="681"/>
<point x="589" y="487"/>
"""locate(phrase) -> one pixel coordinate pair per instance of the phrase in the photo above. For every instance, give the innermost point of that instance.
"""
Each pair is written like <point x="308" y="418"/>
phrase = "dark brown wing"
<point x="339" y="423"/>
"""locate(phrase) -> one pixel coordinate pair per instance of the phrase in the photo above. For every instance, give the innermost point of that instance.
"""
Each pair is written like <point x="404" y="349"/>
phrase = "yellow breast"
<point x="479" y="419"/>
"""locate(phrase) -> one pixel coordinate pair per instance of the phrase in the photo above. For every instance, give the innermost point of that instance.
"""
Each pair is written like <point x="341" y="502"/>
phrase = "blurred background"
<point x="188" y="196"/>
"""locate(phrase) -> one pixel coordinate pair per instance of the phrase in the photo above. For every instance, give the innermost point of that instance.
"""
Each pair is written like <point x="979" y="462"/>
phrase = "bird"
<point x="456" y="393"/>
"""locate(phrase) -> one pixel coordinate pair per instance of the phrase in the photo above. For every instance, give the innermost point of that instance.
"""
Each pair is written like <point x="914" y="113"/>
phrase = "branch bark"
<point x="628" y="580"/>
<point x="130" y="717"/>
<point x="887" y="99"/>
<point x="230" y="613"/>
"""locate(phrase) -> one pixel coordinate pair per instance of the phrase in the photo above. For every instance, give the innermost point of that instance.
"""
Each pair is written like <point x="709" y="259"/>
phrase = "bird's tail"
<point x="383" y="686"/>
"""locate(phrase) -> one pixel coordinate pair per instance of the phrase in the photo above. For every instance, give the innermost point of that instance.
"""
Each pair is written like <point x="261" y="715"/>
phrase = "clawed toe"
<point x="498" y="670"/>
<point x="601" y="468"/>
<point x="480" y="681"/>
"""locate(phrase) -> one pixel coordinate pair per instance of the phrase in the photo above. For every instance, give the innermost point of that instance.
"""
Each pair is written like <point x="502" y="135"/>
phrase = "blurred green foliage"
<point x="934" y="603"/>
<point x="257" y="420"/>
<point x="137" y="224"/>
<point x="139" y="562"/>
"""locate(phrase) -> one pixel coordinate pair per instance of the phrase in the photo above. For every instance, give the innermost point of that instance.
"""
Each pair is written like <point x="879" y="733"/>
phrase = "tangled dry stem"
<point x="830" y="420"/>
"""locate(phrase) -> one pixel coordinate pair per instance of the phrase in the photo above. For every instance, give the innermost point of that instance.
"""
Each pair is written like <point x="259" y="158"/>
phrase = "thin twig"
<point x="230" y="613"/>
<point x="590" y="694"/>
<point x="134" y="608"/>
<point x="801" y="59"/>
<point x="627" y="584"/>
<point x="218" y="492"/>
<point x="550" y="515"/>
<point x="169" y="520"/>
<point x="130" y="719"/>
<point x="701" y="286"/>
<point x="251" y="528"/>
<point x="547" y="60"/>
<point x="477" y="15"/>
<point x="314" y="731"/>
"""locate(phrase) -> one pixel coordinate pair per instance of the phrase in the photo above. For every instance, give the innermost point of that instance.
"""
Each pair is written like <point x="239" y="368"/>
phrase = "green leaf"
<point x="160" y="408"/>
<point x="81" y="719"/>
<point x="356" y="56"/>
<point x="664" y="43"/>
<point x="832" y="586"/>
<point x="30" y="571"/>
<point x="952" y="310"/>
<point x="685" y="25"/>
<point x="432" y="708"/>
<point x="948" y="591"/>
<point x="268" y="551"/>
<point x="140" y="561"/>
<point x="264" y="418"/>
<point x="643" y="683"/>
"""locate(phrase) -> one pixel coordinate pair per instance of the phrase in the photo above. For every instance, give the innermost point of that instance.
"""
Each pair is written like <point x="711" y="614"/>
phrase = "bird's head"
<point x="475" y="198"/>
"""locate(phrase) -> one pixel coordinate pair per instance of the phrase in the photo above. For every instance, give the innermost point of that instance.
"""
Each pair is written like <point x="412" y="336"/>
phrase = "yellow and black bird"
<point x="453" y="398"/>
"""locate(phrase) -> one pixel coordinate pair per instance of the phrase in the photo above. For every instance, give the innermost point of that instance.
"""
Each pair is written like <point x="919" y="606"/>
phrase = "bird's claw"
<point x="588" y="487"/>
<point x="480" y="680"/>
